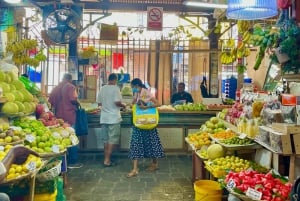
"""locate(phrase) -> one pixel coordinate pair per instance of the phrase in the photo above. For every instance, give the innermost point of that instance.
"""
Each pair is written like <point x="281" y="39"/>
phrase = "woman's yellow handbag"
<point x="145" y="118"/>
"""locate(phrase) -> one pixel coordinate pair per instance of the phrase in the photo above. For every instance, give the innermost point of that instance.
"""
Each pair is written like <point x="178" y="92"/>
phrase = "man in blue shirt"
<point x="181" y="96"/>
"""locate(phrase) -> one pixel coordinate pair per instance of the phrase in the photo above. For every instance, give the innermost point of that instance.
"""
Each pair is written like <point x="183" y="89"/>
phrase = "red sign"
<point x="154" y="18"/>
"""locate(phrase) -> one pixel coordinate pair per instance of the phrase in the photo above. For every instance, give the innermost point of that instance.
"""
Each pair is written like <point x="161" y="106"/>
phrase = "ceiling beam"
<point x="117" y="6"/>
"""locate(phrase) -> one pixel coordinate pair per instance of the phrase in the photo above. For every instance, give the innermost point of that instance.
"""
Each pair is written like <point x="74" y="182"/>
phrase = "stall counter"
<point x="173" y="127"/>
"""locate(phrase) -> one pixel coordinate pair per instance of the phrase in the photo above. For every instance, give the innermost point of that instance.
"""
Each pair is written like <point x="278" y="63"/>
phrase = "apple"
<point x="8" y="139"/>
<point x="214" y="120"/>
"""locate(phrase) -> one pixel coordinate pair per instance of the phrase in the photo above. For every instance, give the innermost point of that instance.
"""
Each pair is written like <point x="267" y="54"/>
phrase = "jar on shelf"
<point x="252" y="129"/>
<point x="257" y="106"/>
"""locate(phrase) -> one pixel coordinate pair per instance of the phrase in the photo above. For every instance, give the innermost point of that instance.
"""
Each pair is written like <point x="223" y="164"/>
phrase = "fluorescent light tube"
<point x="204" y="5"/>
<point x="12" y="1"/>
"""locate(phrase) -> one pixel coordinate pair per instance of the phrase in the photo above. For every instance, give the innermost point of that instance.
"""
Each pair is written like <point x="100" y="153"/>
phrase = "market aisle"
<point x="96" y="183"/>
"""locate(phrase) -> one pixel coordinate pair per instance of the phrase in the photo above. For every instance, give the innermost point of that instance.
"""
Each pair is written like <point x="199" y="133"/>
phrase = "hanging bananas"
<point x="243" y="26"/>
<point x="227" y="57"/>
<point x="20" y="50"/>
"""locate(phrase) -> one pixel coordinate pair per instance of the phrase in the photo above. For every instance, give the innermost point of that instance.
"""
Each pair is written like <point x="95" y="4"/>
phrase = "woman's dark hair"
<point x="137" y="81"/>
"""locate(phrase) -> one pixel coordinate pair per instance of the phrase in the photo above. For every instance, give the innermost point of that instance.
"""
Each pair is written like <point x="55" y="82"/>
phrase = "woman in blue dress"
<point x="144" y="143"/>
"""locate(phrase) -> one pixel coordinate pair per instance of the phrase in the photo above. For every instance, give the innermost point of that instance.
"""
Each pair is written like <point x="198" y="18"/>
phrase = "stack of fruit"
<point x="19" y="100"/>
<point x="234" y="113"/>
<point x="219" y="166"/>
<point x="190" y="107"/>
<point x="213" y="125"/>
<point x="269" y="186"/>
<point x="224" y="135"/>
<point x="198" y="139"/>
<point x="11" y="135"/>
<point x="237" y="141"/>
<point x="38" y="137"/>
<point x="18" y="170"/>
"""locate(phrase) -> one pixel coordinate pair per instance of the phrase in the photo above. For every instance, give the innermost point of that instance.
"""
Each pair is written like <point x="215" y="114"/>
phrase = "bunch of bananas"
<point x="20" y="50"/>
<point x="21" y="46"/>
<point x="24" y="59"/>
<point x="228" y="54"/>
<point x="243" y="26"/>
<point x="227" y="57"/>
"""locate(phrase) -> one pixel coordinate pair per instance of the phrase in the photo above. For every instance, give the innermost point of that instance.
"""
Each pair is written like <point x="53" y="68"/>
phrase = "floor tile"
<point x="93" y="182"/>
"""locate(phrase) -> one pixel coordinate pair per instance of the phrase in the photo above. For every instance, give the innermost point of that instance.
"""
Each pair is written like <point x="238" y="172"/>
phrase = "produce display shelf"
<point x="190" y="144"/>
<point x="50" y="155"/>
<point x="268" y="147"/>
<point x="199" y="155"/>
<point x="253" y="145"/>
<point x="174" y="119"/>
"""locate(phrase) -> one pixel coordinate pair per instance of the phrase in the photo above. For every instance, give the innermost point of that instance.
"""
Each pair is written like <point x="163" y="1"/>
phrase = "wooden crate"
<point x="286" y="128"/>
<point x="279" y="142"/>
<point x="292" y="133"/>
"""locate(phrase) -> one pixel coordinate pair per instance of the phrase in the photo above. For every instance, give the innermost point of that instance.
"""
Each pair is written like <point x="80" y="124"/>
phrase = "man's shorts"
<point x="110" y="133"/>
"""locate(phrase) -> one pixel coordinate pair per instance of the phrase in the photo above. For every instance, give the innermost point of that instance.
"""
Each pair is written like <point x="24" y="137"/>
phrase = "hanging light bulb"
<point x="251" y="9"/>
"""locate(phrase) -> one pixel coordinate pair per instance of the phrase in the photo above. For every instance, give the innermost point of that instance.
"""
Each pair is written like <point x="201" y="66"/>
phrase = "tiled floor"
<point x="93" y="182"/>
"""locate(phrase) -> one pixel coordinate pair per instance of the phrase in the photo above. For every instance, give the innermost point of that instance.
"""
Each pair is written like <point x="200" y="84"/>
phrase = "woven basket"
<point x="50" y="171"/>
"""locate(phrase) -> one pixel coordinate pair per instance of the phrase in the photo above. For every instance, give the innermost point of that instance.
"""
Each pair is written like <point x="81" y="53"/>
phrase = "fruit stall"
<point x="33" y="142"/>
<point x="251" y="149"/>
<point x="179" y="122"/>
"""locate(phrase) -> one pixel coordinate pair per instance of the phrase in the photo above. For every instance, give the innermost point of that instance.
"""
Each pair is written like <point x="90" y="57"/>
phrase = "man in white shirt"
<point x="110" y="100"/>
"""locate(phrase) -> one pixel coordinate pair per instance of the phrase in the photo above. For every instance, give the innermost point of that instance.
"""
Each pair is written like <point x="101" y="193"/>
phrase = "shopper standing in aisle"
<point x="144" y="143"/>
<point x="181" y="96"/>
<point x="63" y="99"/>
<point x="110" y="100"/>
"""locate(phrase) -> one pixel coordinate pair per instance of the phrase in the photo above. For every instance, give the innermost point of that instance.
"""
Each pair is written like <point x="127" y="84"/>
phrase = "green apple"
<point x="8" y="139"/>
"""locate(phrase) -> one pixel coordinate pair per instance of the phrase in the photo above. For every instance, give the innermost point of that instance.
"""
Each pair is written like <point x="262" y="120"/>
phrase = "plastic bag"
<point x="288" y="114"/>
<point x="271" y="112"/>
<point x="81" y="125"/>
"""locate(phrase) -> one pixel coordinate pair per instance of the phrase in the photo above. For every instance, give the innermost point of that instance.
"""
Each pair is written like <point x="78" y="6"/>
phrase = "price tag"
<point x="31" y="166"/>
<point x="1" y="148"/>
<point x="231" y="184"/>
<point x="74" y="139"/>
<point x="253" y="194"/>
<point x="55" y="149"/>
<point x="242" y="136"/>
<point x="30" y="138"/>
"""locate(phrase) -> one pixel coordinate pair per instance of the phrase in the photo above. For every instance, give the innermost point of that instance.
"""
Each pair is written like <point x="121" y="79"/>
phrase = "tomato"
<point x="269" y="185"/>
<point x="267" y="198"/>
<point x="267" y="192"/>
<point x="269" y="176"/>
<point x="285" y="193"/>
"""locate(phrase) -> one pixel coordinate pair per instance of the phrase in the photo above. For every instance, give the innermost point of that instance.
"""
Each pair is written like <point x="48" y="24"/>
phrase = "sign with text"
<point x="154" y="18"/>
